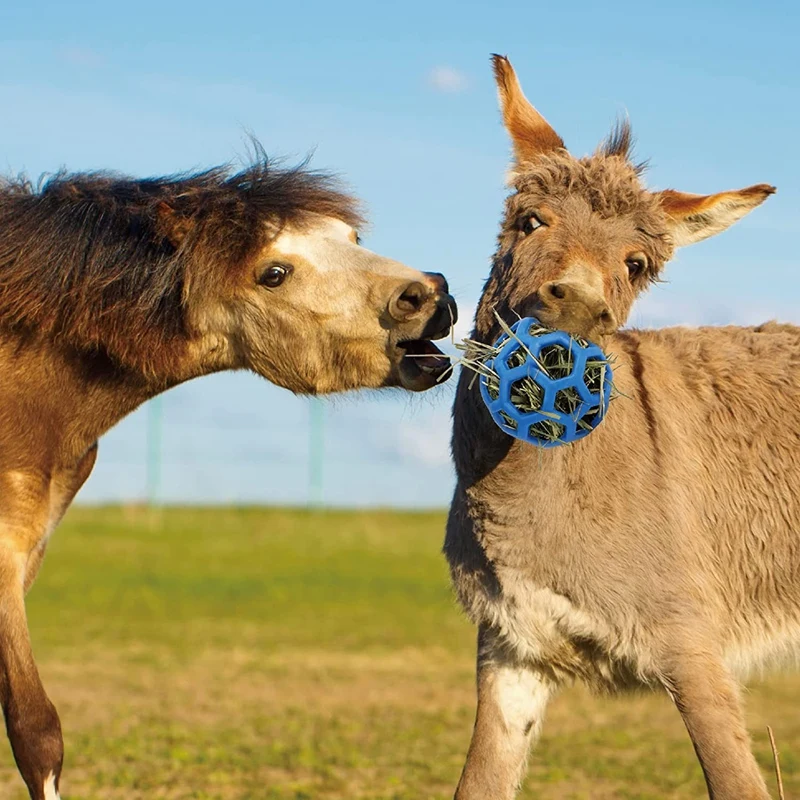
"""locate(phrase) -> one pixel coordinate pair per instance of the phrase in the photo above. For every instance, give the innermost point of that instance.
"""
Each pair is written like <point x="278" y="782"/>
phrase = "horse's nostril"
<point x="410" y="300"/>
<point x="439" y="281"/>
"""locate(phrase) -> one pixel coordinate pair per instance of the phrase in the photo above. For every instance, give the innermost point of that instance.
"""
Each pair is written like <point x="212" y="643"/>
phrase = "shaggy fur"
<point x="615" y="206"/>
<point x="103" y="260"/>
<point x="661" y="551"/>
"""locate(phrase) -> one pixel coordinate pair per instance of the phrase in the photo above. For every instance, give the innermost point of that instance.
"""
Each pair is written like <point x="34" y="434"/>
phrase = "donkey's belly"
<point x="756" y="645"/>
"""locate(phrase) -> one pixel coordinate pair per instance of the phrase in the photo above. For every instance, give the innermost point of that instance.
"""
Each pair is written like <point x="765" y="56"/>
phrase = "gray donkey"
<point x="664" y="550"/>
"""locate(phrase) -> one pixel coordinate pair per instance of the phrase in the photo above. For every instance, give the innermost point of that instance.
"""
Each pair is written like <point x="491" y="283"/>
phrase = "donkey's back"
<point x="721" y="408"/>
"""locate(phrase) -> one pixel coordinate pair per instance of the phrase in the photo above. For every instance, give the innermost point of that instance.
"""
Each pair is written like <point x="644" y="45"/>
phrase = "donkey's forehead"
<point x="609" y="184"/>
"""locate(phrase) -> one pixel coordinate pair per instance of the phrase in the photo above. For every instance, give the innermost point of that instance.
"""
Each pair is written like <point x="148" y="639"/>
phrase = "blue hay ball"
<point x="545" y="386"/>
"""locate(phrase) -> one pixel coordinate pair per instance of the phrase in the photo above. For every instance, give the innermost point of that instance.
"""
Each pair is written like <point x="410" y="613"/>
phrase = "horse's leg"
<point x="31" y="720"/>
<point x="63" y="488"/>
<point x="511" y="703"/>
<point x="707" y="697"/>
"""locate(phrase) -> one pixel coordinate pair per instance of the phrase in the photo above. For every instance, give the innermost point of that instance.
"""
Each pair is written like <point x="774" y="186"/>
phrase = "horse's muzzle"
<point x="420" y="363"/>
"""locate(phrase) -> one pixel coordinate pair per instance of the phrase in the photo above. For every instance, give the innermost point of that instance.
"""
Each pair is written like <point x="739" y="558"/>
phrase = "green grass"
<point x="252" y="653"/>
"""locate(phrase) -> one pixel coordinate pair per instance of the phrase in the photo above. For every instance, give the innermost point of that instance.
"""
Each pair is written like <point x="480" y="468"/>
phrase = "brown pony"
<point x="662" y="551"/>
<point x="113" y="290"/>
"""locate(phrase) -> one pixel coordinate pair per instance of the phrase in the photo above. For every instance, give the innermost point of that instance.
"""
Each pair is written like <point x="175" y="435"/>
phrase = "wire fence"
<point x="234" y="438"/>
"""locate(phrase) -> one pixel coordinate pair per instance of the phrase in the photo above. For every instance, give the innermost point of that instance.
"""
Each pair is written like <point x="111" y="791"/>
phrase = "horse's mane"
<point x="109" y="263"/>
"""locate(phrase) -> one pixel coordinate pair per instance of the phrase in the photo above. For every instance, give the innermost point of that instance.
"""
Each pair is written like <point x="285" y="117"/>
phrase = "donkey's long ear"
<point x="530" y="132"/>
<point x="693" y="217"/>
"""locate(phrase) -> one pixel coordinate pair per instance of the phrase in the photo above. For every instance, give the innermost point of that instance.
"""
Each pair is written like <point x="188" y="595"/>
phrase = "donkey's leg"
<point x="511" y="703"/>
<point x="707" y="697"/>
<point x="63" y="488"/>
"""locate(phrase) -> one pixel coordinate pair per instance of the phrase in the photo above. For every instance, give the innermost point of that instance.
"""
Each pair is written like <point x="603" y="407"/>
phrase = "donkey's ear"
<point x="693" y="217"/>
<point x="530" y="133"/>
<point x="172" y="226"/>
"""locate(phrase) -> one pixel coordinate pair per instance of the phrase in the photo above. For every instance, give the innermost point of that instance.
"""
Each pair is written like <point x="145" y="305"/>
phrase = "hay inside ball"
<point x="545" y="386"/>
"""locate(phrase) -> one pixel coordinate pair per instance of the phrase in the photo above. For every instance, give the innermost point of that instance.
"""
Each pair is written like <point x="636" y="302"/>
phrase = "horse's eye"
<point x="530" y="224"/>
<point x="274" y="275"/>
<point x="636" y="266"/>
<point x="358" y="240"/>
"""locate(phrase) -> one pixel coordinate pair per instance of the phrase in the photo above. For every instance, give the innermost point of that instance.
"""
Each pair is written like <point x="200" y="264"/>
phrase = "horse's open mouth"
<point x="422" y="364"/>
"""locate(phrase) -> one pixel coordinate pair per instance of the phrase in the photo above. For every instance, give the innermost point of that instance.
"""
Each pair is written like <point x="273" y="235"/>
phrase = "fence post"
<point x="316" y="452"/>
<point x="154" y="425"/>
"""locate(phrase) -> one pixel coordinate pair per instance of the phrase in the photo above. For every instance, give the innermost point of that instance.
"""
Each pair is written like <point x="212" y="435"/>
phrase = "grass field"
<point x="251" y="653"/>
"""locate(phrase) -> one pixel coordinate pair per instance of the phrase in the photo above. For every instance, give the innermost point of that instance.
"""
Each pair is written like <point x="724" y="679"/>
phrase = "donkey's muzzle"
<point x="574" y="307"/>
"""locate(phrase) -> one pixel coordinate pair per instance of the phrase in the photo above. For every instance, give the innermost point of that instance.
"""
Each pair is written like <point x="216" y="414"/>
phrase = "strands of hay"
<point x="778" y="775"/>
<point x="527" y="395"/>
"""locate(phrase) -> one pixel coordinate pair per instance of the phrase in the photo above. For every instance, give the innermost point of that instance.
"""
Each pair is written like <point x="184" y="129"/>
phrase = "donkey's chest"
<point x="542" y="626"/>
<point x="538" y="576"/>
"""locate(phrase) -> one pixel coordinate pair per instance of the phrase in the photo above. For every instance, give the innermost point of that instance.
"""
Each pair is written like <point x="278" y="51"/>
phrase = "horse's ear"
<point x="693" y="217"/>
<point x="531" y="134"/>
<point x="172" y="226"/>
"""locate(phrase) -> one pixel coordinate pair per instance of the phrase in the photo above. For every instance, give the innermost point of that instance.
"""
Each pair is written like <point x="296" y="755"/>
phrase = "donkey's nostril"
<point x="410" y="300"/>
<point x="576" y="307"/>
<point x="556" y="290"/>
<point x="607" y="319"/>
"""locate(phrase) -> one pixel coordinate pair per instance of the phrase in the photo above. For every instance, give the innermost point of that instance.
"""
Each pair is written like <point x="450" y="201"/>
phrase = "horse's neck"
<point x="55" y="403"/>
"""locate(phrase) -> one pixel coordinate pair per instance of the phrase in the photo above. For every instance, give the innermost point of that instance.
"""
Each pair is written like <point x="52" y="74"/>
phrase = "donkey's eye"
<point x="529" y="224"/>
<point x="274" y="275"/>
<point x="636" y="266"/>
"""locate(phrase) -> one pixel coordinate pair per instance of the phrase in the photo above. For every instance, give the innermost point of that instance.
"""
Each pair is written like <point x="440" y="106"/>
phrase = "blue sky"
<point x="399" y="99"/>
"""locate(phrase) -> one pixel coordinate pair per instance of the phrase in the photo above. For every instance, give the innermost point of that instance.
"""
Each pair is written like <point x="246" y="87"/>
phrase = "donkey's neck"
<point x="489" y="459"/>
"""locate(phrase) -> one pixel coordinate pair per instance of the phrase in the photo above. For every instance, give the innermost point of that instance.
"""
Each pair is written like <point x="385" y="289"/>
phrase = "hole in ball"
<point x="516" y="359"/>
<point x="594" y="374"/>
<point x="588" y="421"/>
<point x="557" y="360"/>
<point x="567" y="401"/>
<point x="546" y="430"/>
<point x="526" y="395"/>
<point x="509" y="421"/>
